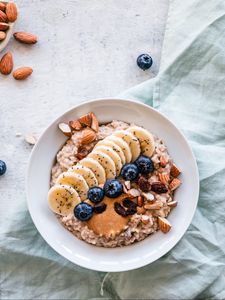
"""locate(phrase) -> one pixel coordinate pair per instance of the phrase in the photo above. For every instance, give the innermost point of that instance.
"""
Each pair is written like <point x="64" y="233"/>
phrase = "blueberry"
<point x="2" y="167"/>
<point x="129" y="172"/>
<point x="144" y="61"/>
<point x="95" y="194"/>
<point x="113" y="188"/>
<point x="144" y="164"/>
<point x="83" y="211"/>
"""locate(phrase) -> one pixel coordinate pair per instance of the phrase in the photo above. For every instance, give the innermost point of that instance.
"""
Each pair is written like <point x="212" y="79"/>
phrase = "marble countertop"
<point x="86" y="49"/>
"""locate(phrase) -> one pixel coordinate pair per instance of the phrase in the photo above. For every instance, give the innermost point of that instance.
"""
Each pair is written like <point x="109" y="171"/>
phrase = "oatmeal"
<point x="113" y="184"/>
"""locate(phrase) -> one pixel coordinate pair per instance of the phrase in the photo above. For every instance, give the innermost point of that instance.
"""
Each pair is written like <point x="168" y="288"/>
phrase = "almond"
<point x="164" y="224"/>
<point x="25" y="37"/>
<point x="11" y="11"/>
<point x="75" y="125"/>
<point x="153" y="206"/>
<point x="174" y="171"/>
<point x="175" y="183"/>
<point x="88" y="136"/>
<point x="140" y="201"/>
<point x="172" y="204"/>
<point x="66" y="130"/>
<point x="3" y="17"/>
<point x="124" y="189"/>
<point x="6" y="64"/>
<point x="22" y="73"/>
<point x="86" y="120"/>
<point x="2" y="35"/>
<point x="133" y="193"/>
<point x="2" y="6"/>
<point x="163" y="161"/>
<point x="145" y="219"/>
<point x="127" y="184"/>
<point x="164" y="178"/>
<point x="94" y="124"/>
<point x="148" y="196"/>
<point x="141" y="210"/>
<point x="30" y="139"/>
<point x="4" y="26"/>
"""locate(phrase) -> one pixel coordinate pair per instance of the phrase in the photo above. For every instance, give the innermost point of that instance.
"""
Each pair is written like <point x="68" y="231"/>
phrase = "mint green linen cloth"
<point x="190" y="90"/>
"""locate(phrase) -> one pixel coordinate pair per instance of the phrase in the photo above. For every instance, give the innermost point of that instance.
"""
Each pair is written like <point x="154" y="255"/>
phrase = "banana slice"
<point x="106" y="161"/>
<point x="115" y="157"/>
<point x="122" y="144"/>
<point x="114" y="147"/>
<point x="95" y="167"/>
<point x="132" y="142"/>
<point x="62" y="199"/>
<point x="88" y="175"/>
<point x="145" y="138"/>
<point x="76" y="181"/>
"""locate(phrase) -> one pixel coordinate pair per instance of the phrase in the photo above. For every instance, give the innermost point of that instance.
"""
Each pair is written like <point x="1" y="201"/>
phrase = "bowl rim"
<point x="196" y="174"/>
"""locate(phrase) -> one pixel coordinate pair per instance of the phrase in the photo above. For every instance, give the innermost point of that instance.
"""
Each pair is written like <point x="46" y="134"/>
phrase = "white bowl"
<point x="128" y="257"/>
<point x="9" y="33"/>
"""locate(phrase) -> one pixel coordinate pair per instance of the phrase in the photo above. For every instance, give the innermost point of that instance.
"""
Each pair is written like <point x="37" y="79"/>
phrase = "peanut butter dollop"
<point x="109" y="223"/>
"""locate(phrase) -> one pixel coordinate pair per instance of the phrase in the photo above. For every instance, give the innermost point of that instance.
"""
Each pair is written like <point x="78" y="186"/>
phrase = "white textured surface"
<point x="87" y="49"/>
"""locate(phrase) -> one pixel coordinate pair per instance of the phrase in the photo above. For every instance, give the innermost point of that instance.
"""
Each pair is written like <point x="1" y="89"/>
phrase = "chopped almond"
<point x="174" y="171"/>
<point x="94" y="124"/>
<point x="75" y="125"/>
<point x="175" y="183"/>
<point x="164" y="224"/>
<point x="86" y="120"/>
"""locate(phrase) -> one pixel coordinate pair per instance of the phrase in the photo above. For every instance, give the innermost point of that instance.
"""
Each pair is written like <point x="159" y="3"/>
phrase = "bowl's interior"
<point x="116" y="259"/>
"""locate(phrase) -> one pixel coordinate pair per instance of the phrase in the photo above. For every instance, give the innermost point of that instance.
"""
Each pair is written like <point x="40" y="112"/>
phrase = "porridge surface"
<point x="136" y="227"/>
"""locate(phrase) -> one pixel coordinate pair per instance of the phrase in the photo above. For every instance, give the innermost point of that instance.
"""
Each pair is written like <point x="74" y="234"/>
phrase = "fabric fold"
<point x="189" y="89"/>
